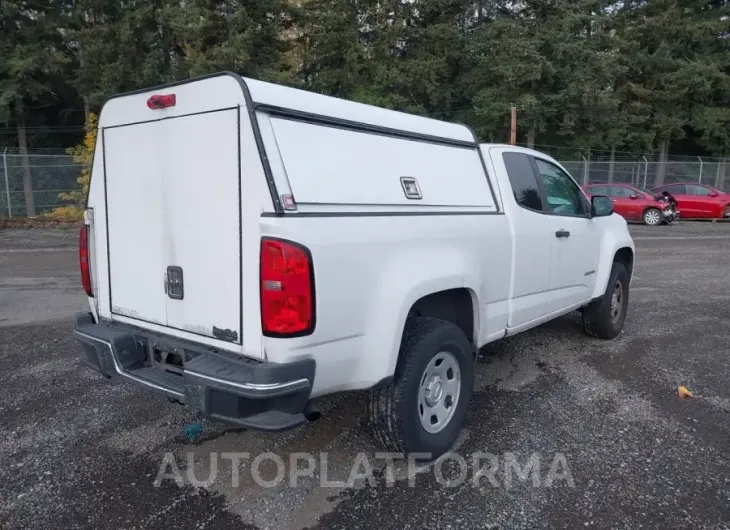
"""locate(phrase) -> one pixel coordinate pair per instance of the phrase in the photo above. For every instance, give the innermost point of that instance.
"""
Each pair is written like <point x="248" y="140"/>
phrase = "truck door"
<point x="533" y="244"/>
<point x="623" y="204"/>
<point x="699" y="201"/>
<point x="575" y="238"/>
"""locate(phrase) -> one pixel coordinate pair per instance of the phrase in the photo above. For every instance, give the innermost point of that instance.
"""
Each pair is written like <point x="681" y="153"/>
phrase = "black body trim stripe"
<point x="260" y="144"/>
<point x="171" y="84"/>
<point x="240" y="231"/>
<point x="106" y="217"/>
<point x="375" y="214"/>
<point x="339" y="123"/>
<point x="409" y="205"/>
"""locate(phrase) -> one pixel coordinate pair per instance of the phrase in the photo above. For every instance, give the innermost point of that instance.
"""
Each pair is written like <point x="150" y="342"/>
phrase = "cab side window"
<point x="676" y="189"/>
<point x="598" y="190"/>
<point x="694" y="189"/>
<point x="563" y="195"/>
<point x="620" y="191"/>
<point x="523" y="181"/>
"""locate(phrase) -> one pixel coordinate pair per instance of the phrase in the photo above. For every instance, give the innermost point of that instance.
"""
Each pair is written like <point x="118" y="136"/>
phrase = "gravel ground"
<point x="578" y="432"/>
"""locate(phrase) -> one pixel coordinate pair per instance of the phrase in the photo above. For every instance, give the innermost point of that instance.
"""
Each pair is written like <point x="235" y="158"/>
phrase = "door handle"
<point x="562" y="233"/>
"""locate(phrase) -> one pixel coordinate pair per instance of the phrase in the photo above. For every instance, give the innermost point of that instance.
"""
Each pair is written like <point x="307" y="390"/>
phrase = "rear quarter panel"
<point x="370" y="270"/>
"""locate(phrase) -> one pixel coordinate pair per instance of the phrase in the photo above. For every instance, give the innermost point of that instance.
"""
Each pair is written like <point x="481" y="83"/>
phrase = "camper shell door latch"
<point x="175" y="288"/>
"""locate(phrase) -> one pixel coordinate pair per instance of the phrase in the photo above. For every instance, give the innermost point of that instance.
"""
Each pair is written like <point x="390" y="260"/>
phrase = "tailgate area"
<point x="174" y="222"/>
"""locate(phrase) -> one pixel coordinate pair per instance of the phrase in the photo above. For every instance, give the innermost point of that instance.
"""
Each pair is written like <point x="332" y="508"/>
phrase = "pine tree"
<point x="32" y="69"/>
<point x="678" y="66"/>
<point x="335" y="45"/>
<point x="510" y="63"/>
<point x="250" y="38"/>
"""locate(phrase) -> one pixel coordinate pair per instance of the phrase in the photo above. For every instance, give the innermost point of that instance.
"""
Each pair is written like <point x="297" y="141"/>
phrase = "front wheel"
<point x="652" y="217"/>
<point x="604" y="318"/>
<point x="423" y="409"/>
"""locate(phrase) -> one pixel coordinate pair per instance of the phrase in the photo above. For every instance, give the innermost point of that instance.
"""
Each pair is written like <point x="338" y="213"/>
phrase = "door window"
<point x="676" y="189"/>
<point x="523" y="181"/>
<point x="563" y="194"/>
<point x="598" y="190"/>
<point x="694" y="189"/>
<point x="621" y="192"/>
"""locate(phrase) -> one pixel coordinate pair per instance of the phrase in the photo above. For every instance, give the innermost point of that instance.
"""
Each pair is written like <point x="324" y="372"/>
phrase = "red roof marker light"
<point x="161" y="101"/>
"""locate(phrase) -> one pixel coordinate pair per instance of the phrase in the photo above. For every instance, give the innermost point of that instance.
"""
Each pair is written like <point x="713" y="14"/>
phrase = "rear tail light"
<point x="287" y="289"/>
<point x="84" y="260"/>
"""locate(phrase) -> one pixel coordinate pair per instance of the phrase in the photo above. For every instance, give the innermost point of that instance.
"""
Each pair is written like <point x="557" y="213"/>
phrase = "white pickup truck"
<point x="249" y="247"/>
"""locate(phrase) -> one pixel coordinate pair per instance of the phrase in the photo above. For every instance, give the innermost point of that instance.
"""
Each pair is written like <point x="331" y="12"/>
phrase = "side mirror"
<point x="633" y="196"/>
<point x="712" y="194"/>
<point x="601" y="206"/>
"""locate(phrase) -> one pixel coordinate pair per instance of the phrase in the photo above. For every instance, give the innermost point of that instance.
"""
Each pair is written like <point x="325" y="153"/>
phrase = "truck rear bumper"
<point x="225" y="387"/>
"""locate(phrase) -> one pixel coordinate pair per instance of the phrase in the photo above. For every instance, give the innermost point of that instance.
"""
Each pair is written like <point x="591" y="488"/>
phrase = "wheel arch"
<point x="625" y="256"/>
<point x="457" y="305"/>
<point x="615" y="250"/>
<point x="413" y="281"/>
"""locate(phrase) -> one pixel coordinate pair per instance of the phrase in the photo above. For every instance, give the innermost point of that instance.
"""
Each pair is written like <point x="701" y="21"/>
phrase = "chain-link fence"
<point x="646" y="174"/>
<point x="38" y="179"/>
<point x="35" y="182"/>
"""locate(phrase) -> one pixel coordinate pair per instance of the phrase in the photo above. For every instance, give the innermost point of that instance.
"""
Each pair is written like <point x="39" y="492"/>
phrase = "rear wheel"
<point x="652" y="217"/>
<point x="423" y="409"/>
<point x="604" y="318"/>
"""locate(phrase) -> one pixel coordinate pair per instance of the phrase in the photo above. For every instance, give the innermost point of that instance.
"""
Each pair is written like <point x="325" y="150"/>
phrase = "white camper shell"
<point x="189" y="183"/>
<point x="249" y="247"/>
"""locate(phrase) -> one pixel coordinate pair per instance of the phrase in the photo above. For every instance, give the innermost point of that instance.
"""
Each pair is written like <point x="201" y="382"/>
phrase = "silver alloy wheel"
<point x="652" y="217"/>
<point x="438" y="393"/>
<point x="617" y="298"/>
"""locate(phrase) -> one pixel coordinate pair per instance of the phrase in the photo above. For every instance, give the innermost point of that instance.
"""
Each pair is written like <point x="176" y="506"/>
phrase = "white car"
<point x="250" y="247"/>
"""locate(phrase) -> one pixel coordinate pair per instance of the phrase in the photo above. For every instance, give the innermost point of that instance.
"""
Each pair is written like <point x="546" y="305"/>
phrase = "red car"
<point x="697" y="201"/>
<point x="631" y="203"/>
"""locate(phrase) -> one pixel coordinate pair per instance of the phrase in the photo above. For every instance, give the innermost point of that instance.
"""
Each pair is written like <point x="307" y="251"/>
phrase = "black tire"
<point x="393" y="410"/>
<point x="598" y="317"/>
<point x="652" y="217"/>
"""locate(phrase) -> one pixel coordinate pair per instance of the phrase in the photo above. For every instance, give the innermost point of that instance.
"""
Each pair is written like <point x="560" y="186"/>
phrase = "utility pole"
<point x="513" y="131"/>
